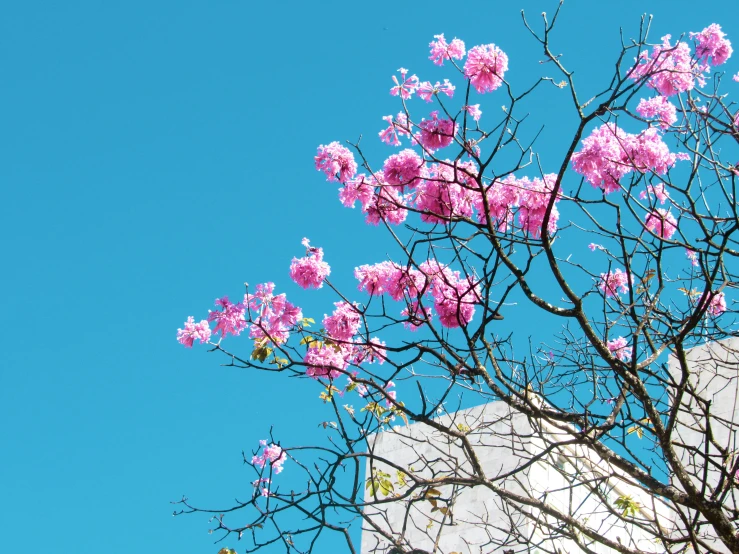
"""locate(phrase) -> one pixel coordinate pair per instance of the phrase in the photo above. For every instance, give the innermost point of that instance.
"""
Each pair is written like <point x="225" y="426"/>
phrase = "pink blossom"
<point x="272" y="316"/>
<point x="392" y="395"/>
<point x="485" y="67"/>
<point x="193" y="331"/>
<point x="711" y="43"/>
<point x="593" y="247"/>
<point x="311" y="270"/>
<point x="324" y="361"/>
<point x="361" y="188"/>
<point x="474" y="111"/>
<point x="454" y="297"/>
<point x="441" y="51"/>
<point x="427" y="91"/>
<point x="406" y="86"/>
<point x="669" y="70"/>
<point x="717" y="305"/>
<point x="446" y="193"/>
<point x="417" y="315"/>
<point x="344" y="323"/>
<point x="230" y="319"/>
<point x="613" y="282"/>
<point x="609" y="153"/>
<point x="620" y="348"/>
<point x="533" y="201"/>
<point x="692" y="255"/>
<point x="659" y="107"/>
<point x="361" y="388"/>
<point x="273" y="454"/>
<point x="736" y="77"/>
<point x="370" y="352"/>
<point x="502" y="199"/>
<point x="403" y="169"/>
<point x="661" y="222"/>
<point x="658" y="191"/>
<point x="336" y="160"/>
<point x="436" y="133"/>
<point x="386" y="205"/>
<point x="388" y="277"/>
<point x="395" y="129"/>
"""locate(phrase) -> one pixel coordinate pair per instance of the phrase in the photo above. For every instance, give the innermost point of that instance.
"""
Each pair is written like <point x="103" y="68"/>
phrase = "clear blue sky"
<point x="156" y="155"/>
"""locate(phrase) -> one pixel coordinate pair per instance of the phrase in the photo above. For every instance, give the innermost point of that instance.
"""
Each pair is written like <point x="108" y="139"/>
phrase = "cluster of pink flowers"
<point x="613" y="282"/>
<point x="454" y="297"/>
<point x="193" y="331"/>
<point x="263" y="485"/>
<point x="324" y="361"/>
<point x="692" y="255"/>
<point x="447" y="192"/>
<point x="659" y="107"/>
<point x="230" y="319"/>
<point x="529" y="197"/>
<point x="436" y="133"/>
<point x="620" y="348"/>
<point x="344" y="323"/>
<point x="273" y="454"/>
<point x="403" y="169"/>
<point x="474" y="111"/>
<point x="485" y="67"/>
<point x="441" y="51"/>
<point x="661" y="222"/>
<point x="336" y="161"/>
<point x="658" y="191"/>
<point x="395" y="129"/>
<point x="717" y="305"/>
<point x="670" y="69"/>
<point x="272" y="316"/>
<point x="427" y="91"/>
<point x="406" y="86"/>
<point x="610" y="153"/>
<point x="310" y="271"/>
<point x="710" y="43"/>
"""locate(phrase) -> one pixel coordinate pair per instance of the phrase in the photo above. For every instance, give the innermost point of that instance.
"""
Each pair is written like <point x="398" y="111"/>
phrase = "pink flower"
<point x="311" y="270"/>
<point x="344" y="323"/>
<point x="717" y="305"/>
<point x="609" y="153"/>
<point x="387" y="205"/>
<point x="502" y="199"/>
<point x="436" y="133"/>
<point x="661" y="222"/>
<point x="192" y="331"/>
<point x="658" y="191"/>
<point x="336" y="160"/>
<point x="361" y="188"/>
<point x="441" y="51"/>
<point x="592" y="246"/>
<point x="403" y="169"/>
<point x="620" y="348"/>
<point x="230" y="319"/>
<point x="533" y="200"/>
<point x="692" y="255"/>
<point x="446" y="193"/>
<point x="485" y="67"/>
<point x="659" y="107"/>
<point x="273" y="454"/>
<point x="474" y="111"/>
<point x="275" y="316"/>
<point x="711" y="43"/>
<point x="736" y="77"/>
<point x="454" y="297"/>
<point x="669" y="70"/>
<point x="391" y="394"/>
<point x="370" y="352"/>
<point x="406" y="86"/>
<point x="613" y="282"/>
<point x="324" y="361"/>
<point x="417" y="315"/>
<point x="427" y="91"/>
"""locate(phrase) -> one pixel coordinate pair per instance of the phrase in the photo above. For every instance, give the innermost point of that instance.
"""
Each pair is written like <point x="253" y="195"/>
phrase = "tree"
<point x="605" y="388"/>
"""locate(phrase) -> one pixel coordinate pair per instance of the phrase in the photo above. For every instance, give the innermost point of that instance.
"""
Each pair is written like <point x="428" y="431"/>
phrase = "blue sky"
<point x="156" y="155"/>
